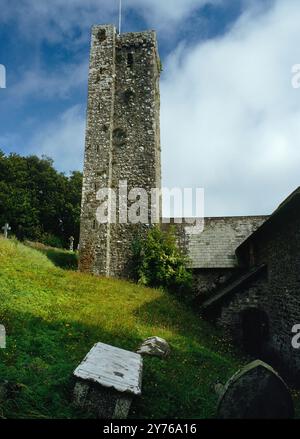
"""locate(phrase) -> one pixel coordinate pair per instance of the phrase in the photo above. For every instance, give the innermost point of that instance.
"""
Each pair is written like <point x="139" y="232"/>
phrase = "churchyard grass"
<point x="54" y="316"/>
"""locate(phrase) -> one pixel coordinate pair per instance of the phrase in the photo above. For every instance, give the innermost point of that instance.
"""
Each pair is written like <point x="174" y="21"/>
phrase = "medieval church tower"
<point x="122" y="141"/>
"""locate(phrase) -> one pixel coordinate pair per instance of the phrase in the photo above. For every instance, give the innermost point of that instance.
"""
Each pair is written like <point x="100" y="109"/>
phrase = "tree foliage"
<point x="38" y="202"/>
<point x="158" y="262"/>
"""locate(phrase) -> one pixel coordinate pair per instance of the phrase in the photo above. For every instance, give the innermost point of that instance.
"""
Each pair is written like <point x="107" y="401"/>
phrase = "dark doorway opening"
<point x="255" y="331"/>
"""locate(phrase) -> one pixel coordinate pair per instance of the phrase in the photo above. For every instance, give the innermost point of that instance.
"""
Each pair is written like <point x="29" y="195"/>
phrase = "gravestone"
<point x="2" y="337"/>
<point x="107" y="381"/>
<point x="71" y="240"/>
<point x="155" y="346"/>
<point x="6" y="229"/>
<point x="256" y="392"/>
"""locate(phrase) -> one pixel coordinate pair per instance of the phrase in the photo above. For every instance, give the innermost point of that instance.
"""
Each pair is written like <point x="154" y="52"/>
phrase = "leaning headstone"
<point x="155" y="346"/>
<point x="256" y="392"/>
<point x="107" y="381"/>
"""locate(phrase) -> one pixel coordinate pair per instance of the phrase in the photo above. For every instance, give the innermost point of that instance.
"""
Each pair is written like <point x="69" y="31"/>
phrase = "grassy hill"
<point x="54" y="316"/>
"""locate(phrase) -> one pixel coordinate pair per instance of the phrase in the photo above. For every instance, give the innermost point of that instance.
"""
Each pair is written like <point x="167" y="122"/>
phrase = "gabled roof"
<point x="289" y="205"/>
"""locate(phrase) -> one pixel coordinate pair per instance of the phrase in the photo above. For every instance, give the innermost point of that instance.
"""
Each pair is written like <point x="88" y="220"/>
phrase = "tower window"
<point x="101" y="35"/>
<point x="130" y="60"/>
<point x="128" y="96"/>
<point x="119" y="137"/>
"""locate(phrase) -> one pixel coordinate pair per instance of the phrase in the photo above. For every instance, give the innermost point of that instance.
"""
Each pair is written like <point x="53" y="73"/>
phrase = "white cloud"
<point x="166" y="13"/>
<point x="62" y="140"/>
<point x="55" y="84"/>
<point x="68" y="22"/>
<point x="56" y="20"/>
<point x="230" y="117"/>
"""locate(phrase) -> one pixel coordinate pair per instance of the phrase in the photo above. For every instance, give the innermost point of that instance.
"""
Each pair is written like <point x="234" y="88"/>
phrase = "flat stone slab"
<point x="112" y="367"/>
<point x="256" y="392"/>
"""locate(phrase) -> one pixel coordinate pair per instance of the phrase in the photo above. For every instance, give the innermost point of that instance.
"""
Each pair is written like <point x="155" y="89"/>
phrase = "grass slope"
<point x="54" y="316"/>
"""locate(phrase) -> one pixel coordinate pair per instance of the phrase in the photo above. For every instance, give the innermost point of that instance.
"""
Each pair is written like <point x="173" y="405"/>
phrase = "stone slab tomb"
<point x="107" y="381"/>
<point x="256" y="392"/>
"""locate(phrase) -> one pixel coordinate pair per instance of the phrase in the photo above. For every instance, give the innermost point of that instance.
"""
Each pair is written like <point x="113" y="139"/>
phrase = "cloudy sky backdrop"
<point x="230" y="117"/>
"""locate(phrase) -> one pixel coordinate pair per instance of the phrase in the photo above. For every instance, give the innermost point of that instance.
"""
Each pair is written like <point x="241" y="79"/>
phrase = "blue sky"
<point x="230" y="118"/>
<point x="36" y="58"/>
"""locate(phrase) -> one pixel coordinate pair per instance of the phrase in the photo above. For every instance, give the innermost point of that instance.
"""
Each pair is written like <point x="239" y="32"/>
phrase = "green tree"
<point x="72" y="207"/>
<point x="159" y="262"/>
<point x="39" y="203"/>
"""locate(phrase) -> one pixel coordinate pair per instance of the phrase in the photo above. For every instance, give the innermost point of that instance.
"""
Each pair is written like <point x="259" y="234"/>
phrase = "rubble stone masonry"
<point x="122" y="141"/>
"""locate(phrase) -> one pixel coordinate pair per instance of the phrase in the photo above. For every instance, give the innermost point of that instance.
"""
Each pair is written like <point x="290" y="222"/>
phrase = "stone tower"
<point x="122" y="142"/>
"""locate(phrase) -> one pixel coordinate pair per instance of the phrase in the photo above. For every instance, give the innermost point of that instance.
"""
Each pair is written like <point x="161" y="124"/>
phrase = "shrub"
<point x="51" y="240"/>
<point x="158" y="262"/>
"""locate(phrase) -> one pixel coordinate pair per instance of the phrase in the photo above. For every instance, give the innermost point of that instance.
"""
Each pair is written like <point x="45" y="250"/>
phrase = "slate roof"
<point x="290" y="205"/>
<point x="215" y="247"/>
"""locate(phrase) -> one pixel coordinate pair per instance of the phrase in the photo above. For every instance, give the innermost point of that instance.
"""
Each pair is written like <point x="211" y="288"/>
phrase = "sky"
<point x="230" y="118"/>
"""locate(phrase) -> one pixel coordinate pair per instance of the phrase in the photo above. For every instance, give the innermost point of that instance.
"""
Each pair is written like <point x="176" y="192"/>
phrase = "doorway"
<point x="255" y="331"/>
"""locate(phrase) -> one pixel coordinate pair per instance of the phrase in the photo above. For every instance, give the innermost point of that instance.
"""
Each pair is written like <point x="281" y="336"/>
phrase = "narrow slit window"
<point x="130" y="60"/>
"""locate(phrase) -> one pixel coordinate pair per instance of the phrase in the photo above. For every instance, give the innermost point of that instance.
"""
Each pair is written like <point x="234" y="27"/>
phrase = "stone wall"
<point x="122" y="141"/>
<point x="277" y="294"/>
<point x="212" y="253"/>
<point x="97" y="161"/>
<point x="206" y="281"/>
<point x="230" y="313"/>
